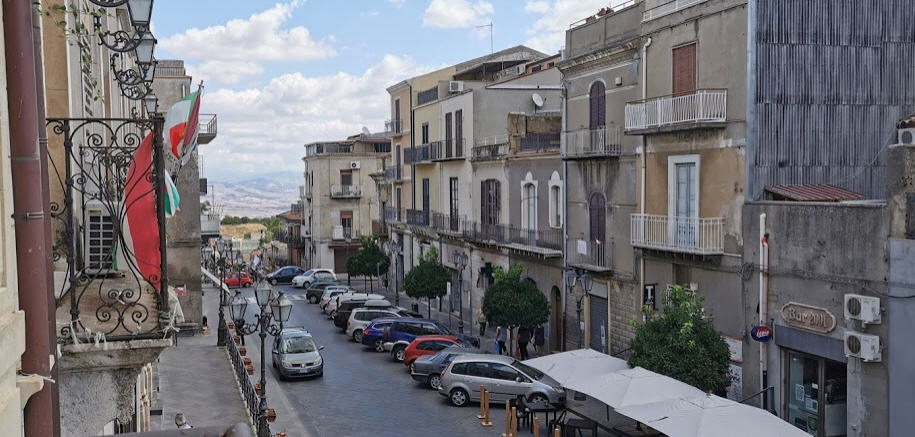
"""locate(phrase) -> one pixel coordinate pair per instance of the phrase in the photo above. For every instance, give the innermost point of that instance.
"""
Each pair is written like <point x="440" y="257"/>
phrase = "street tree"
<point x="369" y="260"/>
<point x="514" y="302"/>
<point x="682" y="343"/>
<point x="428" y="279"/>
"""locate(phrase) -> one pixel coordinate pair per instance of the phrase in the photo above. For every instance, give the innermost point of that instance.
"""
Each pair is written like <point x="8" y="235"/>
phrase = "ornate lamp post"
<point x="220" y="258"/>
<point x="586" y="284"/>
<point x="460" y="259"/>
<point x="348" y="239"/>
<point x="272" y="308"/>
<point x="395" y="254"/>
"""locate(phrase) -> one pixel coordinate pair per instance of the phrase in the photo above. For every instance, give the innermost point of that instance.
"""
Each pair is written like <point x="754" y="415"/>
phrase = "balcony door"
<point x="597" y="212"/>
<point x="454" y="203"/>
<point x="426" y="190"/>
<point x="684" y="69"/>
<point x="449" y="136"/>
<point x="684" y="197"/>
<point x="459" y="132"/>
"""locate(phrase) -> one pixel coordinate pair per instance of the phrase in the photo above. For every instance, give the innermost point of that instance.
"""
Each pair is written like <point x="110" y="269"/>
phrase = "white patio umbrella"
<point x="634" y="386"/>
<point x="709" y="416"/>
<point x="576" y="364"/>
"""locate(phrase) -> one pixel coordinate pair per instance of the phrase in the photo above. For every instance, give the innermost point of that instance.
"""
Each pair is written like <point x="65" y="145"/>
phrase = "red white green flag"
<point x="182" y="126"/>
<point x="142" y="222"/>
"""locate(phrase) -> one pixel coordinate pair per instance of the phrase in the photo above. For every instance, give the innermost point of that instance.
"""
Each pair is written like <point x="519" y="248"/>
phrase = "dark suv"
<point x="346" y="308"/>
<point x="403" y="331"/>
<point x="316" y="290"/>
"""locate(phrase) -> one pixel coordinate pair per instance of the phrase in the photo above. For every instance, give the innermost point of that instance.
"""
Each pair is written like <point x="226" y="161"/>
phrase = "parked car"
<point x="310" y="276"/>
<point x="373" y="334"/>
<point x="503" y="376"/>
<point x="428" y="345"/>
<point x="331" y="292"/>
<point x="404" y="331"/>
<point x="341" y="316"/>
<point x="331" y="308"/>
<point x="428" y="369"/>
<point x="296" y="355"/>
<point x="316" y="290"/>
<point x="362" y="317"/>
<point x="239" y="280"/>
<point x="284" y="275"/>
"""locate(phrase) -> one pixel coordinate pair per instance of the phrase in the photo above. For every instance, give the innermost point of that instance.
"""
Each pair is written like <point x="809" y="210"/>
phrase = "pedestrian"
<point x="481" y="318"/>
<point x="539" y="340"/>
<point x="500" y="340"/>
<point x="524" y="337"/>
<point x="181" y="422"/>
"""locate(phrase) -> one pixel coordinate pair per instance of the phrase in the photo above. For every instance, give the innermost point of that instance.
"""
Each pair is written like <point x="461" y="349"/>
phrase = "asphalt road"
<point x="362" y="393"/>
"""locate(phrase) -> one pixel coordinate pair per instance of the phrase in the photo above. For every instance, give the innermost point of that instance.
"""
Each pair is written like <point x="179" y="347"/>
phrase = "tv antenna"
<point x="490" y="35"/>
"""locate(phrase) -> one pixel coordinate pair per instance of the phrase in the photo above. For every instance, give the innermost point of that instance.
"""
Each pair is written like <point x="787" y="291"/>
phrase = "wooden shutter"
<point x="597" y="214"/>
<point x="448" y="134"/>
<point x="458" y="132"/>
<point x="597" y="110"/>
<point x="484" y="202"/>
<point x="684" y="69"/>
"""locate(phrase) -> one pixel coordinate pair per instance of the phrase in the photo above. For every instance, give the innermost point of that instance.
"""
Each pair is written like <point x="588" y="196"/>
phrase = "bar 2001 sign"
<point x="809" y="317"/>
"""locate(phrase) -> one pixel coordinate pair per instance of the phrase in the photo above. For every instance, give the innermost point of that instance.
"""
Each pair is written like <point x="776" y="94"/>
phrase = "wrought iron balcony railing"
<point x="341" y="232"/>
<point x="394" y="215"/>
<point x="701" y="106"/>
<point x="417" y="154"/>
<point x="540" y="142"/>
<point x="446" y="222"/>
<point x="207" y="130"/>
<point x="209" y="224"/>
<point x="448" y="149"/>
<point x="494" y="233"/>
<point x="588" y="253"/>
<point x="703" y="236"/>
<point x="345" y="191"/>
<point x="418" y="217"/>
<point x="592" y="143"/>
<point x="490" y="148"/>
<point x="668" y="8"/>
<point x="394" y="126"/>
<point x="393" y="173"/>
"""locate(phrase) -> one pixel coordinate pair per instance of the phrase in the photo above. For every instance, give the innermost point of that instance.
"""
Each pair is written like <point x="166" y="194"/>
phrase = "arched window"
<point x="555" y="199"/>
<point x="529" y="206"/>
<point x="598" y="105"/>
<point x="597" y="209"/>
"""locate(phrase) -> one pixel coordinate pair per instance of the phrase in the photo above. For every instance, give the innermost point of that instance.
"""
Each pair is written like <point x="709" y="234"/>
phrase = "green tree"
<point x="428" y="279"/>
<point x="369" y="260"/>
<point x="683" y="344"/>
<point x="512" y="301"/>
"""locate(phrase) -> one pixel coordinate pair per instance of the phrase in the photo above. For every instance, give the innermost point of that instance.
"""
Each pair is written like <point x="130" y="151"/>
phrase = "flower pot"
<point x="271" y="415"/>
<point x="257" y="388"/>
<point x="247" y="361"/>
<point x="236" y="339"/>
<point x="231" y="325"/>
<point x="250" y="369"/>
<point x="242" y="351"/>
<point x="281" y="434"/>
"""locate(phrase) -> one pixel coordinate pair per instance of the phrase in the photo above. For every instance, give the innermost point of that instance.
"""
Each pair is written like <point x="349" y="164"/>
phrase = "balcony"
<point x="540" y="142"/>
<point x="394" y="126"/>
<point x="345" y="192"/>
<point x="543" y="242"/>
<point x="206" y="131"/>
<point x="343" y="233"/>
<point x="701" y="236"/>
<point x="393" y="215"/>
<point x="490" y="148"/>
<point x="591" y="255"/>
<point x="342" y="148"/>
<point x="379" y="227"/>
<point x="209" y="224"/>
<point x="668" y="8"/>
<point x="448" y="149"/>
<point x="393" y="173"/>
<point x="417" y="155"/>
<point x="701" y="109"/>
<point x="418" y="217"/>
<point x="592" y="143"/>
<point x="446" y="223"/>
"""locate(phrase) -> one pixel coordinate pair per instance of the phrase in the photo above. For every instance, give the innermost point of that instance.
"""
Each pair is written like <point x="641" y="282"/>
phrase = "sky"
<point x="282" y="74"/>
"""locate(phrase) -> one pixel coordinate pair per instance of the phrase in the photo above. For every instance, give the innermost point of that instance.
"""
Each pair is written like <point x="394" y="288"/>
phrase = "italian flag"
<point x="142" y="222"/>
<point x="182" y="125"/>
<point x="172" y="198"/>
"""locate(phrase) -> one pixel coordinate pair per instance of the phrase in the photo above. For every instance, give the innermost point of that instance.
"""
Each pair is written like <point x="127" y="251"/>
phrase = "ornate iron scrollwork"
<point x="109" y="3"/>
<point x="128" y="76"/>
<point x="105" y="290"/>
<point x="136" y="92"/>
<point x="120" y="41"/>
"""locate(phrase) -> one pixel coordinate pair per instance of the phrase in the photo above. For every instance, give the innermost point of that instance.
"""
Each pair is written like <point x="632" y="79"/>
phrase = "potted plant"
<point x="271" y="415"/>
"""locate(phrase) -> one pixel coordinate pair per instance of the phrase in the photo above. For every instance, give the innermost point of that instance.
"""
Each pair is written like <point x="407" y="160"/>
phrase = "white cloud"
<point x="548" y="32"/>
<point x="453" y="14"/>
<point x="234" y="47"/>
<point x="397" y="3"/>
<point x="264" y="128"/>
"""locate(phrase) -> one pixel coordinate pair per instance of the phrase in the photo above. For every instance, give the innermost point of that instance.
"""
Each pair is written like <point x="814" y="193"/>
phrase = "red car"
<point x="428" y="345"/>
<point x="239" y="280"/>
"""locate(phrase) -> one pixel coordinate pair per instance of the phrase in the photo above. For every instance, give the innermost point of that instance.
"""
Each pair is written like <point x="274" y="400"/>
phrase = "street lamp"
<point x="459" y="259"/>
<point x="570" y="278"/>
<point x="219" y="258"/>
<point x="586" y="284"/>
<point x="151" y="104"/>
<point x="272" y="308"/>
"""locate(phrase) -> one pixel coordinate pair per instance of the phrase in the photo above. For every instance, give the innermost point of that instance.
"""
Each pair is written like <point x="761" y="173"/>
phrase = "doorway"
<point x="555" y="319"/>
<point x="815" y="394"/>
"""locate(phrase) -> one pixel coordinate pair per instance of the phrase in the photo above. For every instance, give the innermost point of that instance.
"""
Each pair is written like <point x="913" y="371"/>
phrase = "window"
<point x="489" y="201"/>
<point x="346" y="177"/>
<point x="425" y="138"/>
<point x="555" y="200"/>
<point x="426" y="346"/>
<point x="459" y="369"/>
<point x="597" y="212"/>
<point x="597" y="109"/>
<point x="346" y="221"/>
<point x="683" y="198"/>
<point x="449" y="135"/>
<point x="684" y="69"/>
<point x="459" y="132"/>
<point x="430" y="329"/>
<point x="438" y="345"/>
<point x="478" y="369"/>
<point x="397" y="126"/>
<point x="529" y="202"/>
<point x="503" y="372"/>
<point x="454" y="203"/>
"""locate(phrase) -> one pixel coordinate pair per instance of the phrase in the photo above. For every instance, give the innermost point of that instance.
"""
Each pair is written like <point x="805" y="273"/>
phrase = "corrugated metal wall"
<point x="833" y="77"/>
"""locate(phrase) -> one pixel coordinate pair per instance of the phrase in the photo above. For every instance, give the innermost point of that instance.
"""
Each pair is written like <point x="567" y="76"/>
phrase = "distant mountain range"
<point x="261" y="195"/>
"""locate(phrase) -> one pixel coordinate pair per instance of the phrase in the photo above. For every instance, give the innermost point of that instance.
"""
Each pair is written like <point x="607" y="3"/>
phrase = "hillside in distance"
<point x="255" y="196"/>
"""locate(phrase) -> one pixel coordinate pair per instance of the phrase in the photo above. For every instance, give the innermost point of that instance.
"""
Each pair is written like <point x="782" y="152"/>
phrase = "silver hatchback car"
<point x="296" y="355"/>
<point x="503" y="377"/>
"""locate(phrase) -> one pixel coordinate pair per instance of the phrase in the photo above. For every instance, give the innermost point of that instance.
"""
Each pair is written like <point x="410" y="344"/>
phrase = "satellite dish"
<point x="538" y="100"/>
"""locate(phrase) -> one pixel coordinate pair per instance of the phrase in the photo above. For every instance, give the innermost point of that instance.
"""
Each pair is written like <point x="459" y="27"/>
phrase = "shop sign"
<point x="808" y="317"/>
<point x="761" y="333"/>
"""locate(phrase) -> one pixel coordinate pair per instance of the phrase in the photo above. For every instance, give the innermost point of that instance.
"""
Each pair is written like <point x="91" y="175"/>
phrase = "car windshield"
<point x="530" y="371"/>
<point x="308" y="272"/>
<point x="298" y="345"/>
<point x="445" y="331"/>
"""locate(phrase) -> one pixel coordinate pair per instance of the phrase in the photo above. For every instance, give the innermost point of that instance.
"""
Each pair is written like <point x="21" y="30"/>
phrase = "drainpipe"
<point x="763" y="306"/>
<point x="644" y="157"/>
<point x="563" y="94"/>
<point x="32" y="222"/>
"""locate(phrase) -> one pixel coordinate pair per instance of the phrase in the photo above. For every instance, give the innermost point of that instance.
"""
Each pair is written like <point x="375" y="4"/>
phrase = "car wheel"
<point x="273" y="282"/>
<point x="313" y="300"/>
<point x="274" y="365"/>
<point x="459" y="397"/>
<point x="400" y="353"/>
<point x="539" y="398"/>
<point x="379" y="345"/>
<point x="357" y="336"/>
<point x="435" y="381"/>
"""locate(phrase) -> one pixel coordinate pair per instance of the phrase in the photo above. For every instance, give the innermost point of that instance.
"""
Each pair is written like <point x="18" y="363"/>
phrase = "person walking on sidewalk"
<point x="501" y="336"/>
<point x="481" y="318"/>
<point x="539" y="340"/>
<point x="524" y="337"/>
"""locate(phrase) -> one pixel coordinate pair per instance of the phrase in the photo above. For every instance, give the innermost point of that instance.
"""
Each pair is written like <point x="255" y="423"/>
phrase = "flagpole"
<point x="159" y="162"/>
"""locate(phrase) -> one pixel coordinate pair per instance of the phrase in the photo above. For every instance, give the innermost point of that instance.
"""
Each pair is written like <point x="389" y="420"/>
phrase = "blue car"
<point x="373" y="335"/>
<point x="403" y="331"/>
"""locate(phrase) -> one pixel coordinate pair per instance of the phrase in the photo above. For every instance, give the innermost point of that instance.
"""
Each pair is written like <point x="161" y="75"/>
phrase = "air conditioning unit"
<point x="354" y="165"/>
<point x="863" y="308"/>
<point x="337" y="232"/>
<point x="99" y="240"/>
<point x="863" y="346"/>
<point x="455" y="86"/>
<point x="906" y="136"/>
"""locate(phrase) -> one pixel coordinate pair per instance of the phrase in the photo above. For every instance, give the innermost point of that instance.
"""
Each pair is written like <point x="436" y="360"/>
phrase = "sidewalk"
<point x="196" y="378"/>
<point x="487" y="342"/>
